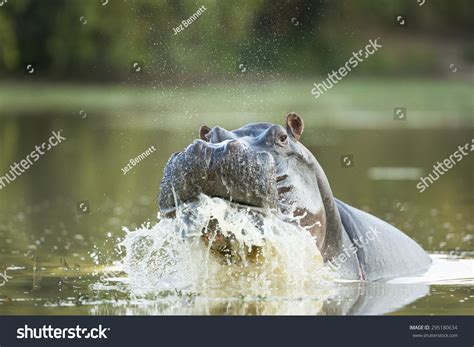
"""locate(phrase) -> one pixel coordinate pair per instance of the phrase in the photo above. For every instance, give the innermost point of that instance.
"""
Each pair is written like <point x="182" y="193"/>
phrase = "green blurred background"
<point x="74" y="40"/>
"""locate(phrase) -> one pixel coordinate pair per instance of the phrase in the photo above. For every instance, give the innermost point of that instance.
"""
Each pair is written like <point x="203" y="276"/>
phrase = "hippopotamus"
<point x="265" y="167"/>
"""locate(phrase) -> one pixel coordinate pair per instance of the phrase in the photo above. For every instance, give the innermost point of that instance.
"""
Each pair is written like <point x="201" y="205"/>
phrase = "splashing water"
<point x="269" y="257"/>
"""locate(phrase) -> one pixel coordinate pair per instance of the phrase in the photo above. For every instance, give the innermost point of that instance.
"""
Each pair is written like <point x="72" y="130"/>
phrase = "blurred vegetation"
<point x="99" y="40"/>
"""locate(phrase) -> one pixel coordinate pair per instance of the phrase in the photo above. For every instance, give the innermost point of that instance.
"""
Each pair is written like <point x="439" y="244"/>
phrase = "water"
<point x="274" y="259"/>
<point x="59" y="259"/>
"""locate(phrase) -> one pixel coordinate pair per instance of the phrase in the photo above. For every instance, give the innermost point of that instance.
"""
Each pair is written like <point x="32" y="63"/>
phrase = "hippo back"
<point x="386" y="252"/>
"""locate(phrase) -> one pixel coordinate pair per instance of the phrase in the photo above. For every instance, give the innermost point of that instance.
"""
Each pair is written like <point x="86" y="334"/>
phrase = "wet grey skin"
<point x="265" y="166"/>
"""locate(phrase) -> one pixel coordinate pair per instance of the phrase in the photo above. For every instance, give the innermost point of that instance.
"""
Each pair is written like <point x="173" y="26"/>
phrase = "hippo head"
<point x="260" y="165"/>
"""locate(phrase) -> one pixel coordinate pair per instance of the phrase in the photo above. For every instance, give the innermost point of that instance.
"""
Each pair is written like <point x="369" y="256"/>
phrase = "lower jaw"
<point x="201" y="219"/>
<point x="225" y="249"/>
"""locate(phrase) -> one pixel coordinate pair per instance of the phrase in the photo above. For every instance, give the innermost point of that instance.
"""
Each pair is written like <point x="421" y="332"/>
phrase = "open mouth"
<point x="226" y="247"/>
<point x="246" y="179"/>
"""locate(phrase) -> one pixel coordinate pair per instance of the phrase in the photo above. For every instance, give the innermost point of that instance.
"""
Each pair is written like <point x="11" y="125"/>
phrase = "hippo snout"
<point x="231" y="170"/>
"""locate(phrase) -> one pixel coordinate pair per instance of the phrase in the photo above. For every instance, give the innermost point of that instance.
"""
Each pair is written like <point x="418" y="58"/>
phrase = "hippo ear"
<point x="294" y="125"/>
<point x="203" y="131"/>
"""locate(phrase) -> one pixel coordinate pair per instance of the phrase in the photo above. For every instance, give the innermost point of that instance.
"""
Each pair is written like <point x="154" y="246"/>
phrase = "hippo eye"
<point x="283" y="138"/>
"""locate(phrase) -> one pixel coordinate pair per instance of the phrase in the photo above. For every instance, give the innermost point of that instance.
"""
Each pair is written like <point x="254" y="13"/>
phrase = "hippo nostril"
<point x="234" y="145"/>
<point x="198" y="143"/>
<point x="196" y="147"/>
<point x="218" y="134"/>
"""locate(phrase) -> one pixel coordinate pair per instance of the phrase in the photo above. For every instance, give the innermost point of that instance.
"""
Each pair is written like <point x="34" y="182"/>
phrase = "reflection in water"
<point x="68" y="292"/>
<point x="328" y="298"/>
<point x="340" y="299"/>
<point x="380" y="298"/>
